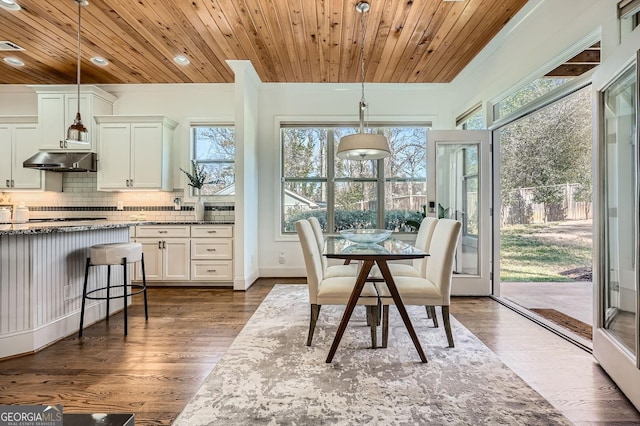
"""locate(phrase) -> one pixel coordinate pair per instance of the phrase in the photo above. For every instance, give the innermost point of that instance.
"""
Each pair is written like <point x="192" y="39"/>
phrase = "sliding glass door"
<point x="616" y="335"/>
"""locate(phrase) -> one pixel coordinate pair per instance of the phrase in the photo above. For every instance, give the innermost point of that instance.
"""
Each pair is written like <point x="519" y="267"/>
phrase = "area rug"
<point x="269" y="377"/>
<point x="563" y="320"/>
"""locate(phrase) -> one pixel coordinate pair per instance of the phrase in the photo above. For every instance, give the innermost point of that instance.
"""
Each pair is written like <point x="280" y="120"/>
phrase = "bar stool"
<point x="114" y="254"/>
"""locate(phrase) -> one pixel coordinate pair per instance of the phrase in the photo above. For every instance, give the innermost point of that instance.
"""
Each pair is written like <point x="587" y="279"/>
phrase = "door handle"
<point x="13" y="184"/>
<point x="159" y="245"/>
<point x="8" y="183"/>
<point x="164" y="244"/>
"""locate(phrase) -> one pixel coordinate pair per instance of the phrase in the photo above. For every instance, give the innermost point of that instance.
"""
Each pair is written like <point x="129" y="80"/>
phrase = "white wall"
<point x="540" y="36"/>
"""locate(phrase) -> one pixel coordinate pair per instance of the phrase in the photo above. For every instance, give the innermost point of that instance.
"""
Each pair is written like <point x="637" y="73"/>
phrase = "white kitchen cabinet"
<point x="57" y="108"/>
<point x="211" y="253"/>
<point x="19" y="140"/>
<point x="186" y="255"/>
<point x="134" y="152"/>
<point x="166" y="252"/>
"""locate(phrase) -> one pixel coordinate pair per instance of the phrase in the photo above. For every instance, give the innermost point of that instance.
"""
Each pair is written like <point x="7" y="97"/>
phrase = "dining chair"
<point x="331" y="290"/>
<point x="350" y="270"/>
<point x="434" y="288"/>
<point x="418" y="266"/>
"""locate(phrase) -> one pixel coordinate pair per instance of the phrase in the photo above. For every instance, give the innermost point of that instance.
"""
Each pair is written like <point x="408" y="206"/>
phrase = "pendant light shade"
<point x="363" y="146"/>
<point x="77" y="133"/>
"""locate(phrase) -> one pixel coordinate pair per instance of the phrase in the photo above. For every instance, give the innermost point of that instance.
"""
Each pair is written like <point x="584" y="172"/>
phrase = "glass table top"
<point x="339" y="247"/>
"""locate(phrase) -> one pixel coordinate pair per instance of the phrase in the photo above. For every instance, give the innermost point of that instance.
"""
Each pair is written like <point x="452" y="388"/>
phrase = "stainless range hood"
<point x="63" y="161"/>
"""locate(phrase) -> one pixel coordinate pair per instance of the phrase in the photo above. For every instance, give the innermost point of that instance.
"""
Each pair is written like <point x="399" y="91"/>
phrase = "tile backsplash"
<point x="79" y="198"/>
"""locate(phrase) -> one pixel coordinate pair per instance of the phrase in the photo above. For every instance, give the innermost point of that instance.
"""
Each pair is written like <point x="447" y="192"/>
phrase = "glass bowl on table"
<point x="366" y="236"/>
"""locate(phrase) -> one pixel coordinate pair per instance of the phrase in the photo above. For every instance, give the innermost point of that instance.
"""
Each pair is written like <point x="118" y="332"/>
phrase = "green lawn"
<point x="541" y="252"/>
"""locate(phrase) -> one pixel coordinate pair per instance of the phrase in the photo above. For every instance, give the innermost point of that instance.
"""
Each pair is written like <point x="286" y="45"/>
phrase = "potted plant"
<point x="197" y="179"/>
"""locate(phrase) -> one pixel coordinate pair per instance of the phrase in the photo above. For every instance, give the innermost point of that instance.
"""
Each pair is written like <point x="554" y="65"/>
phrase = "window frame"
<point x="189" y="193"/>
<point x="330" y="179"/>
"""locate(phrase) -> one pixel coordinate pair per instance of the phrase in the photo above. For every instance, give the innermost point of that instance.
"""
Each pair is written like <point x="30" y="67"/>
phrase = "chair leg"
<point x="144" y="286"/>
<point x="385" y="325"/>
<point x="124" y="266"/>
<point x="447" y="325"/>
<point x="84" y="296"/>
<point x="108" y="290"/>
<point x="315" y="312"/>
<point x="431" y="313"/>
<point x="372" y="316"/>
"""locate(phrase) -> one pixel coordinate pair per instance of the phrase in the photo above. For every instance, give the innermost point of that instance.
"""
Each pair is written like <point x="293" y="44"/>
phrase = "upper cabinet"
<point x="134" y="152"/>
<point x="19" y="140"/>
<point x="57" y="108"/>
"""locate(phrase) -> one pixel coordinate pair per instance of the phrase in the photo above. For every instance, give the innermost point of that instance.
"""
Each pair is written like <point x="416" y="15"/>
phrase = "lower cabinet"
<point x="186" y="254"/>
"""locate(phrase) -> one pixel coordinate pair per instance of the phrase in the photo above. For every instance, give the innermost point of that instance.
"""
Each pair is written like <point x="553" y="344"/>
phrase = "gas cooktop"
<point x="64" y="219"/>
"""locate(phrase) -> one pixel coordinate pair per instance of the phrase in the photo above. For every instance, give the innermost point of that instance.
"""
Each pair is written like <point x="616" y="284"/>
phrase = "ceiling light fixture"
<point x="100" y="61"/>
<point x="182" y="60"/>
<point x="363" y="146"/>
<point x="14" y="61"/>
<point x="9" y="4"/>
<point x="77" y="133"/>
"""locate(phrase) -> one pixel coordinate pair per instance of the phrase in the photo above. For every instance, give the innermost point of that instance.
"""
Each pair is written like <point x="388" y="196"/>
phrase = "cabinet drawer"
<point x="152" y="231"/>
<point x="211" y="249"/>
<point x="211" y="270"/>
<point x="211" y="231"/>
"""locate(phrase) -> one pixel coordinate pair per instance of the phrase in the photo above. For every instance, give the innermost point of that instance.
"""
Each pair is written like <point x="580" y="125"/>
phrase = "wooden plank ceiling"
<point x="407" y="41"/>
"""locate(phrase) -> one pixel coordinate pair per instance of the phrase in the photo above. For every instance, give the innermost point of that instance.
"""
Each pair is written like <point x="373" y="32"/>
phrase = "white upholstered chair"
<point x="335" y="270"/>
<point x="418" y="266"/>
<point x="331" y="290"/>
<point x="434" y="289"/>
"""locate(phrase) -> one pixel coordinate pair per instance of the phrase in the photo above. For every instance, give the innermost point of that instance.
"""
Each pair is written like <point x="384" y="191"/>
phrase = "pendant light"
<point x="77" y="133"/>
<point x="363" y="146"/>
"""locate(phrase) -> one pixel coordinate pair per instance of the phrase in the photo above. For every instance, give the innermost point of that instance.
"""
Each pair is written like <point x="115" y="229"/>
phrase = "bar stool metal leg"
<point x="84" y="296"/>
<point x="108" y="289"/>
<point x="124" y="266"/>
<point x="144" y="285"/>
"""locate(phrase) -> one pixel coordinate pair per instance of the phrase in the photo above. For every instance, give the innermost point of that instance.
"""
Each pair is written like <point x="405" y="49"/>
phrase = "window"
<point x="628" y="14"/>
<point x="214" y="148"/>
<point x="343" y="194"/>
<point x="473" y="119"/>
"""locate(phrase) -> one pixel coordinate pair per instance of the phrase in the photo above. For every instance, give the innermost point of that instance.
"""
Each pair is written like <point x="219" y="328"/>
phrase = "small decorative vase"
<point x="199" y="208"/>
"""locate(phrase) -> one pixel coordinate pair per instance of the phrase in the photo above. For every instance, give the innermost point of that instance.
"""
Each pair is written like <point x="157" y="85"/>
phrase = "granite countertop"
<point x="33" y="228"/>
<point x="69" y="226"/>
<point x="183" y="222"/>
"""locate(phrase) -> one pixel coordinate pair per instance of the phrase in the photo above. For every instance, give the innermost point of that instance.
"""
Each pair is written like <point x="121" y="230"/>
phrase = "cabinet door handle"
<point x="13" y="184"/>
<point x="61" y="144"/>
<point x="210" y="249"/>
<point x="212" y="232"/>
<point x="130" y="182"/>
<point x="164" y="244"/>
<point x="160" y="245"/>
<point x="8" y="183"/>
<point x="162" y="232"/>
<point x="211" y="270"/>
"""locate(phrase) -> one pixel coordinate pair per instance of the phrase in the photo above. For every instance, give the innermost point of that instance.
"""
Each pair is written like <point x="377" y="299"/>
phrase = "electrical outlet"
<point x="67" y="292"/>
<point x="282" y="259"/>
<point x="119" y="205"/>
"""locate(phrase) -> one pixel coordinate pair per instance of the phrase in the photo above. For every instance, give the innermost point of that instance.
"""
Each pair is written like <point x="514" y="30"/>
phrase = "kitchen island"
<point x="41" y="276"/>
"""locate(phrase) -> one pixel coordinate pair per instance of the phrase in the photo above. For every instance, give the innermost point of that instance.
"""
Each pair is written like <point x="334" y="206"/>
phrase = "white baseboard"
<point x="28" y="341"/>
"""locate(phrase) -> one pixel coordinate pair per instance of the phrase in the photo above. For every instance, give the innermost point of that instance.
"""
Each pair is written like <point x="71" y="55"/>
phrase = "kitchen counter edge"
<point x="89" y="225"/>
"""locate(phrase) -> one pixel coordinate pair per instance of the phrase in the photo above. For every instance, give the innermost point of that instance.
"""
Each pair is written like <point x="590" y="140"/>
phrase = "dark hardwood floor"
<point x="156" y="369"/>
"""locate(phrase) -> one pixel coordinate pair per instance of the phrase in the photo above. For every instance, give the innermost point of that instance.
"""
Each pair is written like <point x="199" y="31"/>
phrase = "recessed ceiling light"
<point x="100" y="61"/>
<point x="9" y="4"/>
<point x="14" y="61"/>
<point x="182" y="60"/>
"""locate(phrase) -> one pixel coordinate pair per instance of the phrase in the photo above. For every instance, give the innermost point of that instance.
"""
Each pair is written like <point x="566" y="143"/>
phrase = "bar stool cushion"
<point x="112" y="254"/>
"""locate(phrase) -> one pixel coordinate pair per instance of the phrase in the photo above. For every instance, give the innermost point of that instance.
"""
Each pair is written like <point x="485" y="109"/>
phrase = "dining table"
<point x="337" y="247"/>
